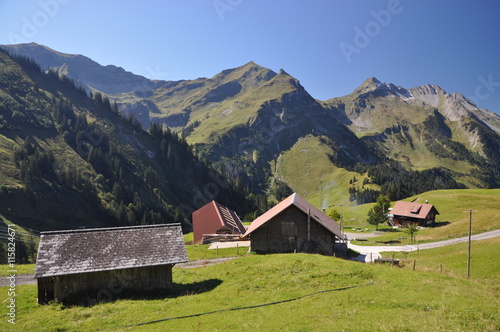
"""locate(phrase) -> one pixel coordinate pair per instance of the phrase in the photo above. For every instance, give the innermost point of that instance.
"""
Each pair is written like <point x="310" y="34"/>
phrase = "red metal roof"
<point x="215" y="217"/>
<point x="412" y="209"/>
<point x="304" y="206"/>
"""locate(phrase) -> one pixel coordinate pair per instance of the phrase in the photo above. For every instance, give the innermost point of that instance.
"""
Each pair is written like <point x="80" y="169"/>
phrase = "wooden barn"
<point x="295" y="225"/>
<point x="405" y="213"/>
<point x="106" y="261"/>
<point x="215" y="218"/>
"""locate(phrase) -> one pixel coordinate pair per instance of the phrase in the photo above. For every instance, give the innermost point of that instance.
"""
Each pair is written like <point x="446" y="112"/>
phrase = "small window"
<point x="288" y="229"/>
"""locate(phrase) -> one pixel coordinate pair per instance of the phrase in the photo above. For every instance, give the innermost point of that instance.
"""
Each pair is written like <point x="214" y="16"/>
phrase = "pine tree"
<point x="378" y="214"/>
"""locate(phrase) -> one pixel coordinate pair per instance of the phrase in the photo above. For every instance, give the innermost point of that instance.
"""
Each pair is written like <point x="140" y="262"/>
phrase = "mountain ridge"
<point x="68" y="160"/>
<point x="243" y="119"/>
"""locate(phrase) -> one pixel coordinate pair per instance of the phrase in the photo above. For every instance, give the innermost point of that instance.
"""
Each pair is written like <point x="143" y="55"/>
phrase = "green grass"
<point x="331" y="183"/>
<point x="200" y="251"/>
<point x="398" y="300"/>
<point x="20" y="268"/>
<point x="452" y="260"/>
<point x="453" y="206"/>
<point x="188" y="238"/>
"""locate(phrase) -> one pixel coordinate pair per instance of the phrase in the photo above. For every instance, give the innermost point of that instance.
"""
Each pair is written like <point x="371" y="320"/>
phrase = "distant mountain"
<point x="424" y="127"/>
<point x="265" y="132"/>
<point x="67" y="160"/>
<point x="84" y="71"/>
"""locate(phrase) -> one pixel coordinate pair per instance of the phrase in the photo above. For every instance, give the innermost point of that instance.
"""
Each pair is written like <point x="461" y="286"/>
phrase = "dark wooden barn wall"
<point x="287" y="232"/>
<point x="404" y="221"/>
<point x="114" y="281"/>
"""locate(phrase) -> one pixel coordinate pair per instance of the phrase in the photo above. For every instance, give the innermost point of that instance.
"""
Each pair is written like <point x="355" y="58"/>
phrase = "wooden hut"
<point x="295" y="225"/>
<point x="106" y="261"/>
<point x="215" y="218"/>
<point x="405" y="213"/>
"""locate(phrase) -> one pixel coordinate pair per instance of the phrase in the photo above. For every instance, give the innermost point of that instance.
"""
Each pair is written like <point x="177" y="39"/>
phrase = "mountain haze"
<point x="82" y="70"/>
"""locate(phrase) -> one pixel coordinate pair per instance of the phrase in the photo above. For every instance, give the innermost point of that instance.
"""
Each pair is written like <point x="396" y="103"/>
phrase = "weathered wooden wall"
<point x="288" y="232"/>
<point x="105" y="282"/>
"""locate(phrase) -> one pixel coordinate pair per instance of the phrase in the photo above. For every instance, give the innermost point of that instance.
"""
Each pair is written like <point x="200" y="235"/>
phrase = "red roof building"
<point x="410" y="212"/>
<point x="215" y="218"/>
<point x="295" y="225"/>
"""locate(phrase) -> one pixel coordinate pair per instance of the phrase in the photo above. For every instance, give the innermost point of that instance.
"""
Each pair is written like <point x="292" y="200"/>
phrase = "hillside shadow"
<point x="105" y="295"/>
<point x="389" y="230"/>
<point x="440" y="224"/>
<point x="195" y="287"/>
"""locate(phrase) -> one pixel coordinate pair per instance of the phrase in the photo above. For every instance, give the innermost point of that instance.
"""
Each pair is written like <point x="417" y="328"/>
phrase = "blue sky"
<point x="331" y="46"/>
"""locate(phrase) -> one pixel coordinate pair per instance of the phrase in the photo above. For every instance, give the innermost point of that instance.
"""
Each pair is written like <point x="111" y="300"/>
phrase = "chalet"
<point x="295" y="225"/>
<point x="105" y="261"/>
<point x="215" y="218"/>
<point x="405" y="213"/>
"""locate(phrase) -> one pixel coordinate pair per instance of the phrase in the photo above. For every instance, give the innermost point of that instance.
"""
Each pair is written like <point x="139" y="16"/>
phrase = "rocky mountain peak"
<point x="83" y="70"/>
<point x="378" y="88"/>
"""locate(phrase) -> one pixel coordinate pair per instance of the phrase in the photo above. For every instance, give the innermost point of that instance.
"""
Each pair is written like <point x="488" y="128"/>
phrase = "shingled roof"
<point x="104" y="249"/>
<point x="296" y="200"/>
<point x="412" y="209"/>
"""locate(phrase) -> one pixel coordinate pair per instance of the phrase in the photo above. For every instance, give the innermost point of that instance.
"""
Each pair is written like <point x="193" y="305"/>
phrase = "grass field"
<point x="301" y="292"/>
<point x="383" y="299"/>
<point x="453" y="220"/>
<point x="452" y="260"/>
<point x="310" y="155"/>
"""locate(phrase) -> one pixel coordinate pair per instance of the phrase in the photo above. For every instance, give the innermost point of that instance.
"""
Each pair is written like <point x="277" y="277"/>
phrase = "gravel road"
<point x="28" y="279"/>
<point x="375" y="251"/>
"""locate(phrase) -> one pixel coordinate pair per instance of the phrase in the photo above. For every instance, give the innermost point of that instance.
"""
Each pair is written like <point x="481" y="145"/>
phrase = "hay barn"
<point x="295" y="225"/>
<point x="105" y="261"/>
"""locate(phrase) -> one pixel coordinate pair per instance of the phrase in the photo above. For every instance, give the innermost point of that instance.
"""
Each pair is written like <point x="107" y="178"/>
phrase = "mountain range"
<point x="68" y="160"/>
<point x="264" y="133"/>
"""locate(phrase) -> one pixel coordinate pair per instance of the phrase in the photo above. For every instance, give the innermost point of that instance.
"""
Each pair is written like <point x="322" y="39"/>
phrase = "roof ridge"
<point x="101" y="229"/>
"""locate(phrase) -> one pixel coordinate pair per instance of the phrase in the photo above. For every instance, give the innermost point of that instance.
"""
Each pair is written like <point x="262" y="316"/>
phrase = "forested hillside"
<point x="69" y="160"/>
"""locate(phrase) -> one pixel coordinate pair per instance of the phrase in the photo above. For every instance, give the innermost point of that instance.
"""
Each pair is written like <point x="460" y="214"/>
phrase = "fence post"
<point x="414" y="263"/>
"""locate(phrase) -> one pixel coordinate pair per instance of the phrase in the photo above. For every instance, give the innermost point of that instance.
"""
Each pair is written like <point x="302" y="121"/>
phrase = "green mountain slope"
<point x="424" y="127"/>
<point x="69" y="161"/>
<point x="246" y="120"/>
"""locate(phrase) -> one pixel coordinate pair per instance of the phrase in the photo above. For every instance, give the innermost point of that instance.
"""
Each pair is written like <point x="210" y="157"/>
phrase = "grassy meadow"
<point x="452" y="222"/>
<point x="305" y="292"/>
<point x="452" y="260"/>
<point x="383" y="298"/>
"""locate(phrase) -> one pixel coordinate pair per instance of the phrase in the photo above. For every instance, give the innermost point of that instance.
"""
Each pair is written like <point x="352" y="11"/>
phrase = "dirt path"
<point x="28" y="279"/>
<point x="368" y="253"/>
<point x="21" y="279"/>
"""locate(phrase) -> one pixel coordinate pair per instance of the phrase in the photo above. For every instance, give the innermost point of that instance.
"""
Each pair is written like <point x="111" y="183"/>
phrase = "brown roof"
<point x="295" y="200"/>
<point x="103" y="249"/>
<point x="413" y="210"/>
